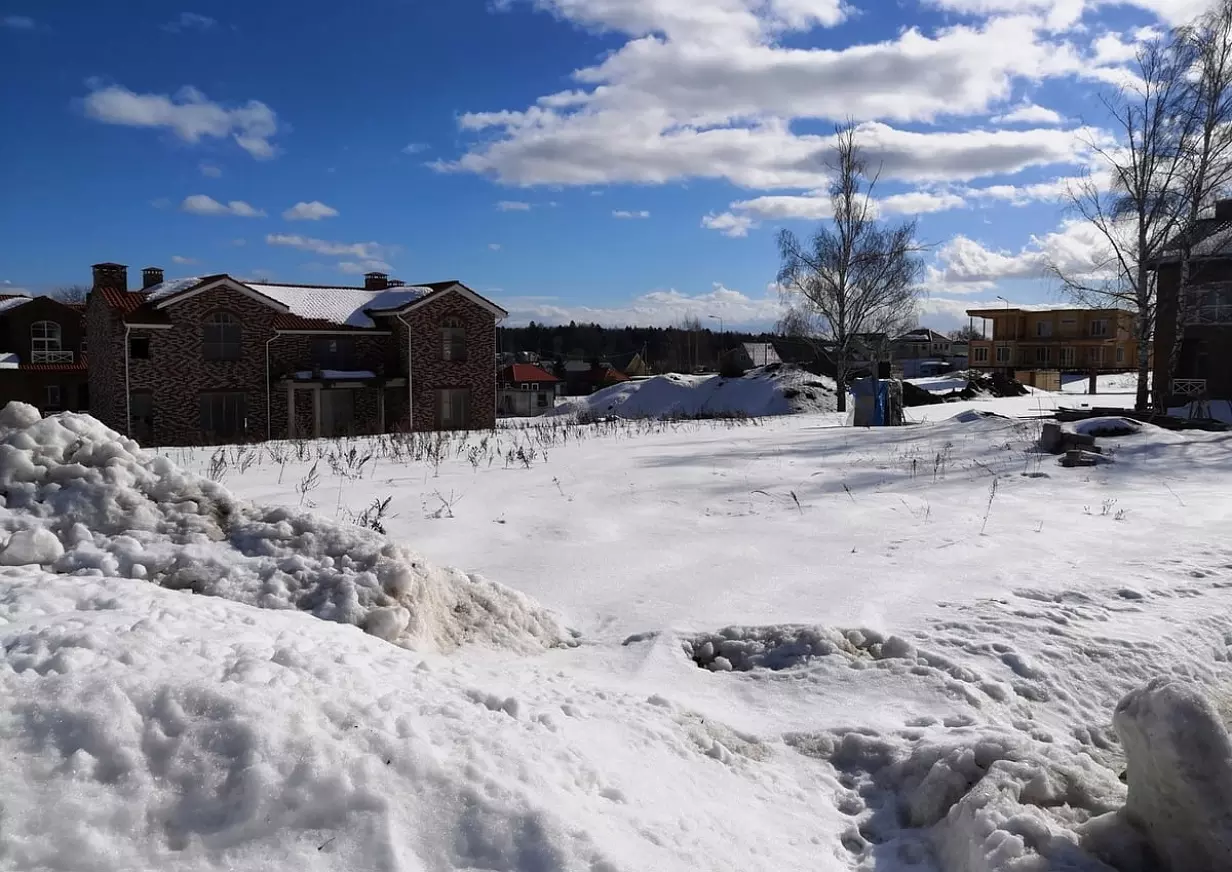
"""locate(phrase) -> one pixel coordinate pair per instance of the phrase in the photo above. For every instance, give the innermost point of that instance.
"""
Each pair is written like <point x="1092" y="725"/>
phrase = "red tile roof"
<point x="125" y="301"/>
<point x="526" y="372"/>
<point x="79" y="365"/>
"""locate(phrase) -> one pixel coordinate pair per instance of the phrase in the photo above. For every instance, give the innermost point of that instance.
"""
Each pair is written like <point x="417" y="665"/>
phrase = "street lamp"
<point x="718" y="318"/>
<point x="1003" y="300"/>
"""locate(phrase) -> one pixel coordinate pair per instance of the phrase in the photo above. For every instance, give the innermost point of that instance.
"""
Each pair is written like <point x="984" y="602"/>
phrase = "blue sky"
<point x="626" y="161"/>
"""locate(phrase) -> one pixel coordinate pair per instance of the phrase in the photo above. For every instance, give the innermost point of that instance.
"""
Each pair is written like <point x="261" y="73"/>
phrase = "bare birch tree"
<point x="1138" y="211"/>
<point x="855" y="276"/>
<point x="1208" y="167"/>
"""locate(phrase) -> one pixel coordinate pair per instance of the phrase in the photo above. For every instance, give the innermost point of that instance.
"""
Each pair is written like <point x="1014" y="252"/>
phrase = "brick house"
<point x="212" y="359"/>
<point x="1204" y="365"/>
<point x="42" y="354"/>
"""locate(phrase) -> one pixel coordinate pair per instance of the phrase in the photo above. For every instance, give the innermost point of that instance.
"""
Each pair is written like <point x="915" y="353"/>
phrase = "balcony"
<point x="45" y="356"/>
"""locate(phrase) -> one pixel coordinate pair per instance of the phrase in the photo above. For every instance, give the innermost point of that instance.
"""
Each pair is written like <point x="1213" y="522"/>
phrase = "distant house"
<point x="751" y="354"/>
<point x="43" y="354"/>
<point x="1064" y="339"/>
<point x="585" y="377"/>
<point x="924" y="352"/>
<point x="215" y="359"/>
<point x="526" y="390"/>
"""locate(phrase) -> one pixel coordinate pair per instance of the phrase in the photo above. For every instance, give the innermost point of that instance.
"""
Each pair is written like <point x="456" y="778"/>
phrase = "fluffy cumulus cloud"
<point x="200" y="204"/>
<point x="1076" y="248"/>
<point x="360" y="251"/>
<point x="1029" y="113"/>
<point x="657" y="308"/>
<point x="189" y="114"/>
<point x="747" y="214"/>
<point x="314" y="211"/>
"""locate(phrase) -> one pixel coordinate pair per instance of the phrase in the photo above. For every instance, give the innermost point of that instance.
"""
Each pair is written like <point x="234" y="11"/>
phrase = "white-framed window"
<point x="453" y="339"/>
<point x="1067" y="356"/>
<point x="980" y="353"/>
<point x="1099" y="327"/>
<point x="45" y="347"/>
<point x="1042" y="354"/>
<point x="1043" y="329"/>
<point x="222" y="337"/>
<point x="1120" y="354"/>
<point x="1095" y="355"/>
<point x="1003" y="354"/>
<point x="1212" y="304"/>
<point x="53" y="396"/>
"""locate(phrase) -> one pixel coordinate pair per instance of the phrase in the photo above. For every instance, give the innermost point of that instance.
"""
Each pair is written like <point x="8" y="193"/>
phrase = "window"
<point x="453" y="407"/>
<point x="1003" y="354"/>
<point x="1067" y="356"/>
<point x="222" y="337"/>
<point x="1099" y="327"/>
<point x="222" y="415"/>
<point x="1095" y="355"/>
<point x="1120" y="354"/>
<point x="141" y="416"/>
<point x="543" y="400"/>
<point x="45" y="344"/>
<point x="1041" y="354"/>
<point x="453" y="339"/>
<point x="333" y="352"/>
<point x="53" y="397"/>
<point x="981" y="353"/>
<point x="139" y="347"/>
<point x="1212" y="304"/>
<point x="1043" y="329"/>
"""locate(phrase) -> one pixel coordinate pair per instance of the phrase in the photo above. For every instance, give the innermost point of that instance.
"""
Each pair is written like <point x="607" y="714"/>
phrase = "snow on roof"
<point x="171" y="287"/>
<point x="7" y="303"/>
<point x="9" y="359"/>
<point x="339" y="305"/>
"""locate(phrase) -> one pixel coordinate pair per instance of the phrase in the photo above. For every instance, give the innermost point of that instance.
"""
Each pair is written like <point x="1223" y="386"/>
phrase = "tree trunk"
<point x="840" y="384"/>
<point x="1143" y="293"/>
<point x="1178" y="330"/>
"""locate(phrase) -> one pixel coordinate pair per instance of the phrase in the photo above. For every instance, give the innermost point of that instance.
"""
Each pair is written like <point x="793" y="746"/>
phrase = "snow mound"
<point x="973" y="801"/>
<point x="742" y="649"/>
<point x="1105" y="426"/>
<point x="1179" y="773"/>
<point x="82" y="499"/>
<point x="778" y="389"/>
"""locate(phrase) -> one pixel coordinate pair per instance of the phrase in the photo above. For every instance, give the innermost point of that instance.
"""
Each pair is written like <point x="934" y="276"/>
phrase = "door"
<point x="141" y="415"/>
<point x="338" y="412"/>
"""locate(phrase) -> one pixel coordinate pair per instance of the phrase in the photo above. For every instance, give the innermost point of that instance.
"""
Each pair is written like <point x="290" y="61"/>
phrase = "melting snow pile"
<point x="778" y="389"/>
<point x="79" y="498"/>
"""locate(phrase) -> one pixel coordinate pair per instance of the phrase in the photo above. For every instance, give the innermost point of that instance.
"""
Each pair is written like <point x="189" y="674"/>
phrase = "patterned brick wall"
<point x="432" y="373"/>
<point x="105" y="337"/>
<point x="177" y="372"/>
<point x="305" y="415"/>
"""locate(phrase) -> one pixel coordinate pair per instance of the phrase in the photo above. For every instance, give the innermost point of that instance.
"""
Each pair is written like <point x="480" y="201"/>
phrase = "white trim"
<point x="148" y="326"/>
<point x="230" y="284"/>
<point x="339" y="332"/>
<point x="461" y="290"/>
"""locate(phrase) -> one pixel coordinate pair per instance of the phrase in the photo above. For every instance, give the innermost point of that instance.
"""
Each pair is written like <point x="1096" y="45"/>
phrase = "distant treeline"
<point x="664" y="349"/>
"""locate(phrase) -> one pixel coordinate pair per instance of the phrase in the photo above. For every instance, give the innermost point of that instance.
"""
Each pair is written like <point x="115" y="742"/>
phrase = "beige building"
<point x="1068" y="340"/>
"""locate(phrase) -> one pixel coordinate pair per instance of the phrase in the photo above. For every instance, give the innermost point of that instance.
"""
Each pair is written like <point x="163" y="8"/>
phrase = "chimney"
<point x="1223" y="210"/>
<point x="110" y="275"/>
<point x="376" y="281"/>
<point x="151" y="276"/>
<point x="396" y="283"/>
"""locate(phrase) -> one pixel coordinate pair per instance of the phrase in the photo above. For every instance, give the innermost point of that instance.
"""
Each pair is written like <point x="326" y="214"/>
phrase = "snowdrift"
<point x="778" y="389"/>
<point x="82" y="499"/>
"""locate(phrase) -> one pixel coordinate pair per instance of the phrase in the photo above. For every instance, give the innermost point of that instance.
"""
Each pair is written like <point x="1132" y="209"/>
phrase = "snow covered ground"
<point x="779" y="389"/>
<point x="800" y="646"/>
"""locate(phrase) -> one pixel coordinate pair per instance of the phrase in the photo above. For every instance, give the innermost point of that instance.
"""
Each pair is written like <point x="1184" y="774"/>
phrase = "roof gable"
<point x="527" y="372"/>
<point x="463" y="291"/>
<point x="179" y="290"/>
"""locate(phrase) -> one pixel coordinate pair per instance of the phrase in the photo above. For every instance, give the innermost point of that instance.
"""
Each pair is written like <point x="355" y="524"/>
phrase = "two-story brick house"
<point x="42" y="354"/>
<point x="212" y="359"/>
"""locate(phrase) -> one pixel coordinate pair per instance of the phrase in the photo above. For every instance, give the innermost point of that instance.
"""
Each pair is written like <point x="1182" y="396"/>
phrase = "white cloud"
<point x="364" y="266"/>
<point x="181" y="260"/>
<point x="658" y="308"/>
<point x="17" y="22"/>
<point x="1029" y="113"/>
<point x="362" y="251"/>
<point x="1075" y="247"/>
<point x="415" y="148"/>
<point x="189" y="114"/>
<point x="624" y="213"/>
<point x="729" y="224"/>
<point x="210" y="171"/>
<point x="190" y="21"/>
<point x="494" y="246"/>
<point x="200" y="204"/>
<point x="512" y="206"/>
<point x="314" y="211"/>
